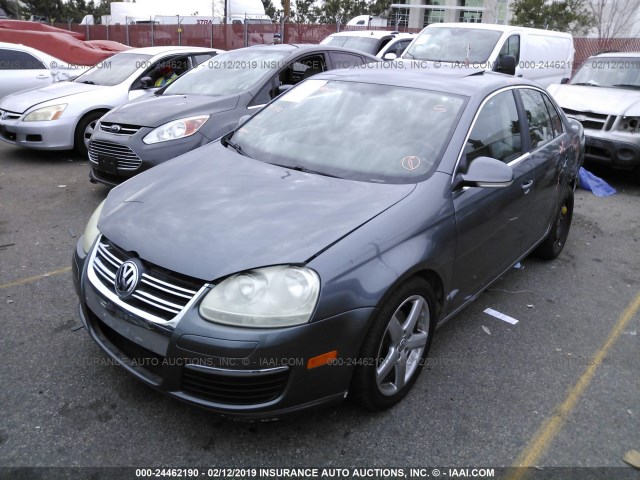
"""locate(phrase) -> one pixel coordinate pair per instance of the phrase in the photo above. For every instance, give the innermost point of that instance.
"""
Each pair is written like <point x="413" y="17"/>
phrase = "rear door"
<point x="550" y="150"/>
<point x="492" y="223"/>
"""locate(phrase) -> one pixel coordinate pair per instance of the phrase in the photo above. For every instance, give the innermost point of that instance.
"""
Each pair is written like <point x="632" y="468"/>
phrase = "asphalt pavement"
<point x="558" y="389"/>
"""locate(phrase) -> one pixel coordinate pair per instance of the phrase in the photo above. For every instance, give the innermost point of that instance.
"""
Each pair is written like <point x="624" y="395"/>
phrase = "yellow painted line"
<point x="35" y="278"/>
<point x="550" y="428"/>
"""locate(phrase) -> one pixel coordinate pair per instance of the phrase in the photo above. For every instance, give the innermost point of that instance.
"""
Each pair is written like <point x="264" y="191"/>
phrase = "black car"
<point x="203" y="105"/>
<point x="310" y="254"/>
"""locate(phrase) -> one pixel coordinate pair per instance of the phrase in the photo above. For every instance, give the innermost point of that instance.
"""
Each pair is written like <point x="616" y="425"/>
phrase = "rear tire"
<point x="396" y="346"/>
<point x="555" y="240"/>
<point x="84" y="130"/>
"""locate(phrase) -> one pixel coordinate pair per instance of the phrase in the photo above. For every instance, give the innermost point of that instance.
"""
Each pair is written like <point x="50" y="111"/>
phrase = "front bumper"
<point x="129" y="155"/>
<point x="239" y="372"/>
<point x="618" y="153"/>
<point x="51" y="135"/>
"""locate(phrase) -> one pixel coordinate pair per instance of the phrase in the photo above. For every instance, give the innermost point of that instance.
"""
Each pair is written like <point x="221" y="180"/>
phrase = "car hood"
<point x="157" y="110"/>
<point x="20" y="102"/>
<point x="604" y="100"/>
<point x="213" y="212"/>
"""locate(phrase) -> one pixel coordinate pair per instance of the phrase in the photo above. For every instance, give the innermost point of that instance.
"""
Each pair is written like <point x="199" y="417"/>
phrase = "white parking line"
<point x="501" y="316"/>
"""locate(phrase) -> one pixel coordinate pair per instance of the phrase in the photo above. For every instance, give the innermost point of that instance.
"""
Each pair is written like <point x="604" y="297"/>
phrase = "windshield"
<point x="609" y="72"/>
<point x="358" y="131"/>
<point x="362" y="44"/>
<point x="228" y="73"/>
<point x="453" y="45"/>
<point x="114" y="70"/>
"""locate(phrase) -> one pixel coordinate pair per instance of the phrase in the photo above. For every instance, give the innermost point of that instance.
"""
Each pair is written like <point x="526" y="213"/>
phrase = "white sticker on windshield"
<point x="410" y="162"/>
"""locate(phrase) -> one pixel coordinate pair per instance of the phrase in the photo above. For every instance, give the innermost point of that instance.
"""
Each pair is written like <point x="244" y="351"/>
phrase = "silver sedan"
<point x="62" y="116"/>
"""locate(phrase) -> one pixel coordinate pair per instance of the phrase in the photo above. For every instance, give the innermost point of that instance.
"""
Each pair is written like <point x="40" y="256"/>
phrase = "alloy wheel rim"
<point x="402" y="345"/>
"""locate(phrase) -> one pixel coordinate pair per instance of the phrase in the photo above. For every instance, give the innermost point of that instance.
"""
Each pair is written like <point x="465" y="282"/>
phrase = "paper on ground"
<point x="501" y="316"/>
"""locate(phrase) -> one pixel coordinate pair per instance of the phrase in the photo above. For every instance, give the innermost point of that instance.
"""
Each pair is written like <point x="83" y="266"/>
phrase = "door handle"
<point x="526" y="186"/>
<point x="42" y="76"/>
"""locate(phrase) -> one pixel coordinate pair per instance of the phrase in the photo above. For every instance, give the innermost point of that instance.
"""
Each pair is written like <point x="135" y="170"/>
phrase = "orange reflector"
<point x="321" y="360"/>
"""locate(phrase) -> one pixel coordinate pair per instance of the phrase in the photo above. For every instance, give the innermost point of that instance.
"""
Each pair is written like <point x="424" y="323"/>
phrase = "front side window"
<point x="333" y="128"/>
<point x="496" y="132"/>
<point x="540" y="126"/>
<point x="511" y="47"/>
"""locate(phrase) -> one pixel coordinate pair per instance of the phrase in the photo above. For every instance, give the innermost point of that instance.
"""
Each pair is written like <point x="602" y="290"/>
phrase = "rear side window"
<point x="15" y="60"/>
<point x="346" y="60"/>
<point x="556" y="122"/>
<point x="541" y="130"/>
<point x="496" y="133"/>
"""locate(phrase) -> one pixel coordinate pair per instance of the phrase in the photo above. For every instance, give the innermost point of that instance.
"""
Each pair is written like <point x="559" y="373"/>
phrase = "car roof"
<point x="169" y="49"/>
<point x="617" y="55"/>
<point x="372" y="33"/>
<point x="466" y="82"/>
<point x="303" y="47"/>
<point x="500" y="28"/>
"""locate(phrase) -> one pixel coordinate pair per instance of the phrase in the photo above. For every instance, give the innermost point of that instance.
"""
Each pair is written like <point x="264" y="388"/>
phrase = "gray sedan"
<point x="203" y="105"/>
<point x="310" y="254"/>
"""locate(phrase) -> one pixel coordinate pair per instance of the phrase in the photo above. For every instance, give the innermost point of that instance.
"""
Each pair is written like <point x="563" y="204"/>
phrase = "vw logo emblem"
<point x="127" y="278"/>
<point x="115" y="128"/>
<point x="4" y="115"/>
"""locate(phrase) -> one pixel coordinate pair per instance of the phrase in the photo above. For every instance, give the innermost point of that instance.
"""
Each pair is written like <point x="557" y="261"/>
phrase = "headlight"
<point x="264" y="298"/>
<point x="91" y="231"/>
<point x="45" y="114"/>
<point x="630" y="124"/>
<point x="184" y="127"/>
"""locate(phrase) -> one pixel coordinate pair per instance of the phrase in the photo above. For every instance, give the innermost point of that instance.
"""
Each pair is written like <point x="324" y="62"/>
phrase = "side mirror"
<point x="243" y="119"/>
<point x="486" y="172"/>
<point x="146" y="82"/>
<point x="390" y="56"/>
<point x="564" y="81"/>
<point x="506" y="64"/>
<point x="284" y="88"/>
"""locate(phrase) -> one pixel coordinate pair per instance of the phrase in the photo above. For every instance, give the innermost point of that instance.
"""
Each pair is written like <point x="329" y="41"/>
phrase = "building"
<point x="420" y="13"/>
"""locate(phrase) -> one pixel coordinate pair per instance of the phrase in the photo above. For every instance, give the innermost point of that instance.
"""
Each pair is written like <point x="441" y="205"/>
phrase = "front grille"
<point x="123" y="130"/>
<point x="126" y="158"/>
<point x="590" y="120"/>
<point x="234" y="389"/>
<point x="160" y="293"/>
<point x="6" y="115"/>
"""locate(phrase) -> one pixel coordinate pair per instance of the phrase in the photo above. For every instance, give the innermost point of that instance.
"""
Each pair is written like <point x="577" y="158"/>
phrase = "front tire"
<point x="555" y="240"/>
<point x="84" y="130"/>
<point x="396" y="346"/>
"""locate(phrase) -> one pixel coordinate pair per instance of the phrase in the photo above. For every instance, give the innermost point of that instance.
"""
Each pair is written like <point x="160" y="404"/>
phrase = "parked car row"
<point x="307" y="252"/>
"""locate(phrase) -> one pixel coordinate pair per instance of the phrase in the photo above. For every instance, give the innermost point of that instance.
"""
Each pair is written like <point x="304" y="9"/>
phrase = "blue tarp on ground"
<point x="596" y="185"/>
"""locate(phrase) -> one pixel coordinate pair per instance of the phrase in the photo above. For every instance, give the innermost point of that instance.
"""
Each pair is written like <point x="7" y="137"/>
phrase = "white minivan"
<point x="544" y="56"/>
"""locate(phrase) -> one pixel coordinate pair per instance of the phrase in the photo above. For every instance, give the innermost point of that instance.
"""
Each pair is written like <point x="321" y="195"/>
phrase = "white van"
<point x="541" y="55"/>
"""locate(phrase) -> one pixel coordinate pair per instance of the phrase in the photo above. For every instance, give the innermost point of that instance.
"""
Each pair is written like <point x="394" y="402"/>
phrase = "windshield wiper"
<point x="626" y="85"/>
<point x="235" y="146"/>
<point x="586" y="84"/>
<point x="88" y="82"/>
<point x="298" y="168"/>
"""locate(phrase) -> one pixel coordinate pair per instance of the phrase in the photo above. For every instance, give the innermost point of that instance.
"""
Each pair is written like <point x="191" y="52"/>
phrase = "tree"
<point x="11" y="8"/>
<point x="614" y="18"/>
<point x="562" y="15"/>
<point x="52" y="9"/>
<point x="270" y="10"/>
